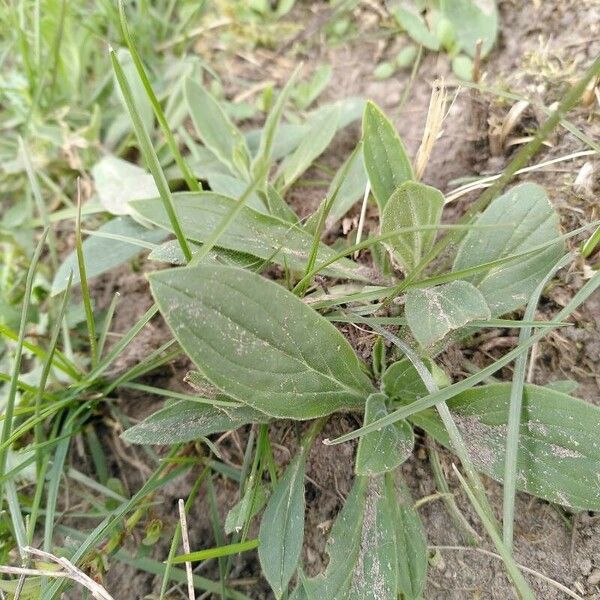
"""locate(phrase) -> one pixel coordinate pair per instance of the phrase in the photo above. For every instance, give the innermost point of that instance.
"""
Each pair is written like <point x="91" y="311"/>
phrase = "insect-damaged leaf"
<point x="533" y="222"/>
<point x="282" y="528"/>
<point x="559" y="450"/>
<point x="187" y="420"/>
<point x="362" y="548"/>
<point x="259" y="343"/>
<point x="383" y="450"/>
<point x="412" y="205"/>
<point x="434" y="312"/>
<point x="252" y="233"/>
<point x="386" y="160"/>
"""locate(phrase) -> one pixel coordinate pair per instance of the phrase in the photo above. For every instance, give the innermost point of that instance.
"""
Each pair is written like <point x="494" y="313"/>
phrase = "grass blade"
<point x="216" y="552"/>
<point x="85" y="290"/>
<point x="525" y="591"/>
<point x="12" y="391"/>
<point x="150" y="156"/>
<point x="190" y="180"/>
<point x="514" y="414"/>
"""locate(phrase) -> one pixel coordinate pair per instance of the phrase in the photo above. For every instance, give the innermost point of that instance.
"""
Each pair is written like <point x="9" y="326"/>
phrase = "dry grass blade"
<point x="185" y="540"/>
<point x="69" y="571"/>
<point x="433" y="127"/>
<point x="363" y="214"/>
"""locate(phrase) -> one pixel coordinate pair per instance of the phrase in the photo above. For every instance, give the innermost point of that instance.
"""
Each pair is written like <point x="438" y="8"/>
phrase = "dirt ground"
<point x="542" y="48"/>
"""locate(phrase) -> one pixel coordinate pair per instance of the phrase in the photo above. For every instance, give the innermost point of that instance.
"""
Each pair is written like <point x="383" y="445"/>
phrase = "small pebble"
<point x="585" y="566"/>
<point x="594" y="578"/>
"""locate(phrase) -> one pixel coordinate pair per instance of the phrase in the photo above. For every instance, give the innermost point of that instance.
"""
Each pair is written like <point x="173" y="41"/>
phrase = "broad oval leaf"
<point x="407" y="15"/>
<point x="282" y="528"/>
<point x="534" y="222"/>
<point x="384" y="450"/>
<point x="215" y="129"/>
<point x="412" y="205"/>
<point x="362" y="548"/>
<point x="386" y="161"/>
<point x="259" y="343"/>
<point x="432" y="313"/>
<point x="401" y="379"/>
<point x="264" y="236"/>
<point x="472" y="21"/>
<point x="118" y="181"/>
<point x="187" y="420"/>
<point x="102" y="254"/>
<point x="559" y="449"/>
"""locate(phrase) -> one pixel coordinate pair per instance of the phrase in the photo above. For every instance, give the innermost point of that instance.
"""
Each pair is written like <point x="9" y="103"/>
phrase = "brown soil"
<point x="543" y="47"/>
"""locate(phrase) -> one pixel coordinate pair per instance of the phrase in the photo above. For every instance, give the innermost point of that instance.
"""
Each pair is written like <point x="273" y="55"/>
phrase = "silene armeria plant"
<point x="252" y="295"/>
<point x="266" y="348"/>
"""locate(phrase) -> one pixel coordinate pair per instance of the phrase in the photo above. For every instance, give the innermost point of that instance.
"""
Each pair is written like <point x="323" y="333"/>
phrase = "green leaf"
<point x="362" y="548"/>
<point x="118" y="181"/>
<point x="559" y="452"/>
<point x="409" y="19"/>
<point x="219" y="551"/>
<point x="384" y="70"/>
<point x="473" y="20"/>
<point x="252" y="233"/>
<point x="215" y="129"/>
<point x="248" y="335"/>
<point x="463" y="67"/>
<point x="508" y="286"/>
<point x="432" y="313"/>
<point x="412" y="205"/>
<point x="282" y="528"/>
<point x="170" y="252"/>
<point x="286" y="138"/>
<point x="141" y="100"/>
<point x="319" y="135"/>
<point x="401" y="381"/>
<point x="382" y="450"/>
<point x="187" y="420"/>
<point x="411" y="542"/>
<point x="269" y="132"/>
<point x="351" y="190"/>
<point x="386" y="160"/>
<point x="278" y="207"/>
<point x="102" y="254"/>
<point x="307" y="92"/>
<point x="247" y="508"/>
<point x="232" y="187"/>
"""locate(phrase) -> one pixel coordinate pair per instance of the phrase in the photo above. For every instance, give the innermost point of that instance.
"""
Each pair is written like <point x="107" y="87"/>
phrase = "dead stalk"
<point x="185" y="540"/>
